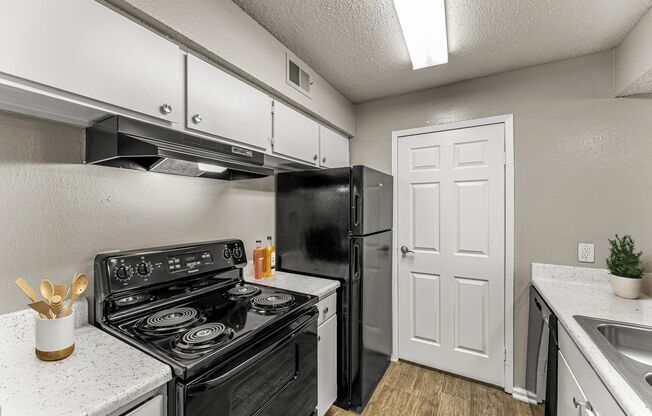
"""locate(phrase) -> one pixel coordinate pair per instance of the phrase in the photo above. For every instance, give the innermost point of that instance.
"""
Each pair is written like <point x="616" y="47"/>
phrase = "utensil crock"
<point x="55" y="338"/>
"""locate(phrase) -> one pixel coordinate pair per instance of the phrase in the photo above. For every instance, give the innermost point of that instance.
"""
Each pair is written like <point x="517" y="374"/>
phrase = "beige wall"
<point x="56" y="214"/>
<point x="583" y="160"/>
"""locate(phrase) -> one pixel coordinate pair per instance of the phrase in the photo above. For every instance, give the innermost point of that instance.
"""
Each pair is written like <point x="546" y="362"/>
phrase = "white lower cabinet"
<point x="327" y="356"/>
<point x="580" y="392"/>
<point x="570" y="399"/>
<point x="154" y="407"/>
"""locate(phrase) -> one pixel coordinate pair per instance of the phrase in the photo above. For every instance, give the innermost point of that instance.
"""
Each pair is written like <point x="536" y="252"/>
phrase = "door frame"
<point x="508" y="121"/>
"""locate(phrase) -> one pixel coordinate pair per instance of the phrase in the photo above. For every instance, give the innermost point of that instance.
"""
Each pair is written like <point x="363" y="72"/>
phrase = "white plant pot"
<point x="626" y="287"/>
<point x="55" y="338"/>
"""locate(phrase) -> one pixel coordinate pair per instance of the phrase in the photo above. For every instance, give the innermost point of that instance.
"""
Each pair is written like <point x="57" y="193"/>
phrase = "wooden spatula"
<point x="27" y="290"/>
<point x="41" y="307"/>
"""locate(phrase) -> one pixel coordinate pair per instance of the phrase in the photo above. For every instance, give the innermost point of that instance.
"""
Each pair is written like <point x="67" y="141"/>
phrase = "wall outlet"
<point x="586" y="253"/>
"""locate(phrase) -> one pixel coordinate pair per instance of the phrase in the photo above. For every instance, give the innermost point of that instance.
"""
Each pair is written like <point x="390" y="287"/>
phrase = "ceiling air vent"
<point x="297" y="76"/>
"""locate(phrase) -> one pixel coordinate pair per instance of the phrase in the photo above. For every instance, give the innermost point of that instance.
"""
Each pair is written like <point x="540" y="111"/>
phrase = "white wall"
<point x="583" y="160"/>
<point x="226" y="34"/>
<point x="56" y="214"/>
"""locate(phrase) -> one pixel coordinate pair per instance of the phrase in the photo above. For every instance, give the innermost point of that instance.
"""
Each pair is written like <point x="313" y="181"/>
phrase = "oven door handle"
<point x="214" y="382"/>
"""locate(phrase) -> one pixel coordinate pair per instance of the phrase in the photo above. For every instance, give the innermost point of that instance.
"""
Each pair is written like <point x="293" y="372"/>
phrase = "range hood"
<point x="126" y="143"/>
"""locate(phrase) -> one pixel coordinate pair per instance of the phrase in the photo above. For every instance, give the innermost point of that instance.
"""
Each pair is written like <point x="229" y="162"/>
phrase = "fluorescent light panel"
<point x="210" y="168"/>
<point x="424" y="28"/>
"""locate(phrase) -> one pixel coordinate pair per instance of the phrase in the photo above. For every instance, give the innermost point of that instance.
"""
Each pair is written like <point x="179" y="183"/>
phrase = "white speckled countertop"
<point x="310" y="285"/>
<point x="573" y="291"/>
<point x="101" y="375"/>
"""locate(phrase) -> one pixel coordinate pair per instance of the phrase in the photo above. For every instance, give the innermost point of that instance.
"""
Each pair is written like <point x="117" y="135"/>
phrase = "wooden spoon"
<point x="60" y="290"/>
<point x="42" y="308"/>
<point x="79" y="285"/>
<point x="47" y="289"/>
<point x="56" y="303"/>
<point x="27" y="290"/>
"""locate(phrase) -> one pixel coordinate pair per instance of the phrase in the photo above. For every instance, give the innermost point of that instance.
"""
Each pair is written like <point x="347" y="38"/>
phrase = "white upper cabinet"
<point x="222" y="105"/>
<point x="85" y="48"/>
<point x="334" y="149"/>
<point x="295" y="135"/>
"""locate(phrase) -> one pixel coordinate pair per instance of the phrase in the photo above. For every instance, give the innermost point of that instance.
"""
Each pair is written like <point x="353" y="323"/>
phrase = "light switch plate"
<point x="586" y="253"/>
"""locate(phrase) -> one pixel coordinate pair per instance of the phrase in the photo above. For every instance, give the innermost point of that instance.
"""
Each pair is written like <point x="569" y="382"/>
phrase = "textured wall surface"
<point x="358" y="46"/>
<point x="583" y="160"/>
<point x="56" y="214"/>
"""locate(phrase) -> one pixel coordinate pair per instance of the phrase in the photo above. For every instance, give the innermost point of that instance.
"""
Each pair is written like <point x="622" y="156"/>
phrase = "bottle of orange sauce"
<point x="259" y="260"/>
<point x="270" y="258"/>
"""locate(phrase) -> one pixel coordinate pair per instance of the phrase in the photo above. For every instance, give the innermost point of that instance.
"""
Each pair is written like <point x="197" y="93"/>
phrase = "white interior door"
<point x="451" y="216"/>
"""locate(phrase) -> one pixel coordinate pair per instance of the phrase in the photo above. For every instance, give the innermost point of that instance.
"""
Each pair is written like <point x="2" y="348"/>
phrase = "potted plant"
<point x="626" y="267"/>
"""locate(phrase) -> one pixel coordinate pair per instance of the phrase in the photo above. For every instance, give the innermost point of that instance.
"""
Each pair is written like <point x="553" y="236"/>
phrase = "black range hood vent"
<point x="131" y="144"/>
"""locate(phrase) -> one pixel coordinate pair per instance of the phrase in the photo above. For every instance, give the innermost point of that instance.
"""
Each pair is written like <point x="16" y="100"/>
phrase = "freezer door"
<point x="371" y="313"/>
<point x="371" y="201"/>
<point x="312" y="222"/>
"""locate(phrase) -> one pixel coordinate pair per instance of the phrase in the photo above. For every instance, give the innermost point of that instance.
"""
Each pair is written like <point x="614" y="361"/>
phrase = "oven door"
<point x="275" y="377"/>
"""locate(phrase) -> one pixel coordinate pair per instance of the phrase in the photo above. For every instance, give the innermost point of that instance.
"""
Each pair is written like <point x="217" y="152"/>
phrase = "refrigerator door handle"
<point x="356" y="209"/>
<point x="356" y="261"/>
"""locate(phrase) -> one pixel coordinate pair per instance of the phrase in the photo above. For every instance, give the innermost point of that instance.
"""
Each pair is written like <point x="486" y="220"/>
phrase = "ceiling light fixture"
<point x="210" y="168"/>
<point x="424" y="29"/>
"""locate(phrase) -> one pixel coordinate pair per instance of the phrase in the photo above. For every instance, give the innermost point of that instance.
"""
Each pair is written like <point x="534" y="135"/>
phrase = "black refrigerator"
<point x="337" y="224"/>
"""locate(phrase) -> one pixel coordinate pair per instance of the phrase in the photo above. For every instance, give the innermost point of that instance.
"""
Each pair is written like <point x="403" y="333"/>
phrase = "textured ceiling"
<point x="358" y="47"/>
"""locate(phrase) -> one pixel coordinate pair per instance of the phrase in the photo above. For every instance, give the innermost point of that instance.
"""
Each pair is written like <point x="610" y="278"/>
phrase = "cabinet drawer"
<point x="595" y="391"/>
<point x="327" y="308"/>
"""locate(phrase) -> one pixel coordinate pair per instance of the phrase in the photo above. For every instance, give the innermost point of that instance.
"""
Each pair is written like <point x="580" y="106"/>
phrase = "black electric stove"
<point x="235" y="349"/>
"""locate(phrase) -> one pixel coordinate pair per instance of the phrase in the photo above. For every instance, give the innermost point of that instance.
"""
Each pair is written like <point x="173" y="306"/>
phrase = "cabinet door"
<point x="87" y="49"/>
<point x="327" y="365"/>
<point x="152" y="407"/>
<point x="295" y="135"/>
<point x="333" y="149"/>
<point x="569" y="394"/>
<point x="221" y="104"/>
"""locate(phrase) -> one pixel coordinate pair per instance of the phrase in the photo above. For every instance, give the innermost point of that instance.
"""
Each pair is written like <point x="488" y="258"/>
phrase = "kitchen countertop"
<point x="310" y="285"/>
<point x="101" y="375"/>
<point x="573" y="291"/>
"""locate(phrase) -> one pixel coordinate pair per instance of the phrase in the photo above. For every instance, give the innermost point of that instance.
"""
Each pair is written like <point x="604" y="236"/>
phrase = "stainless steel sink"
<point x="628" y="347"/>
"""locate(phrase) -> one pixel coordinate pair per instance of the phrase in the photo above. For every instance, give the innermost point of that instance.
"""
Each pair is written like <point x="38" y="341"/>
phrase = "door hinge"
<point x="505" y="158"/>
<point x="271" y="141"/>
<point x="504" y="354"/>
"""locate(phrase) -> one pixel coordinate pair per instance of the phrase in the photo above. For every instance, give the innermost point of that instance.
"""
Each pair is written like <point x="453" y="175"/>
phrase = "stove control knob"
<point x="237" y="252"/>
<point x="144" y="269"/>
<point x="123" y="273"/>
<point x="226" y="254"/>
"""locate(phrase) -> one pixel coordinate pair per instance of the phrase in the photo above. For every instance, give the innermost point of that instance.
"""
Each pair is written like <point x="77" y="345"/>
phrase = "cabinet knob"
<point x="323" y="160"/>
<point x="166" y="109"/>
<point x="315" y="157"/>
<point x="318" y="338"/>
<point x="325" y="311"/>
<point x="197" y="118"/>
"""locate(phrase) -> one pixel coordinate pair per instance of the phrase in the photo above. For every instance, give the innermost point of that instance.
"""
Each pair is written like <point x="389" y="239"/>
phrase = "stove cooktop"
<point x="207" y="327"/>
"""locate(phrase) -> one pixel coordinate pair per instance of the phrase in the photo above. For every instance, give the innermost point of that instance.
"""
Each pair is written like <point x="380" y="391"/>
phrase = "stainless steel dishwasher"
<point x="541" y="365"/>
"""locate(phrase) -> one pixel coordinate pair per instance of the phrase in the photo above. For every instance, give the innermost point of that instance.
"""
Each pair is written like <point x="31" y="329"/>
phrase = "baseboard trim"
<point x="523" y="395"/>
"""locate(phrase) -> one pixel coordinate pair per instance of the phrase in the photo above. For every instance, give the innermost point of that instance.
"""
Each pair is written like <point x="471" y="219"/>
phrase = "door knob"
<point x="197" y="118"/>
<point x="406" y="250"/>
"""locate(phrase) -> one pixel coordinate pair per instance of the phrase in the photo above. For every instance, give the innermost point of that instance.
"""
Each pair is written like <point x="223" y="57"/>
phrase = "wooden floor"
<point x="411" y="390"/>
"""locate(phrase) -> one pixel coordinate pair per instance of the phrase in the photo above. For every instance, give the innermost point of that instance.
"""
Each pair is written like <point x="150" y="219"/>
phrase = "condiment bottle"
<point x="270" y="258"/>
<point x="259" y="260"/>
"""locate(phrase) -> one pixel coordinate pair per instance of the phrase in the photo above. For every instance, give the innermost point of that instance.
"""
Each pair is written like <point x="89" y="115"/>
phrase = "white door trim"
<point x="508" y="121"/>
